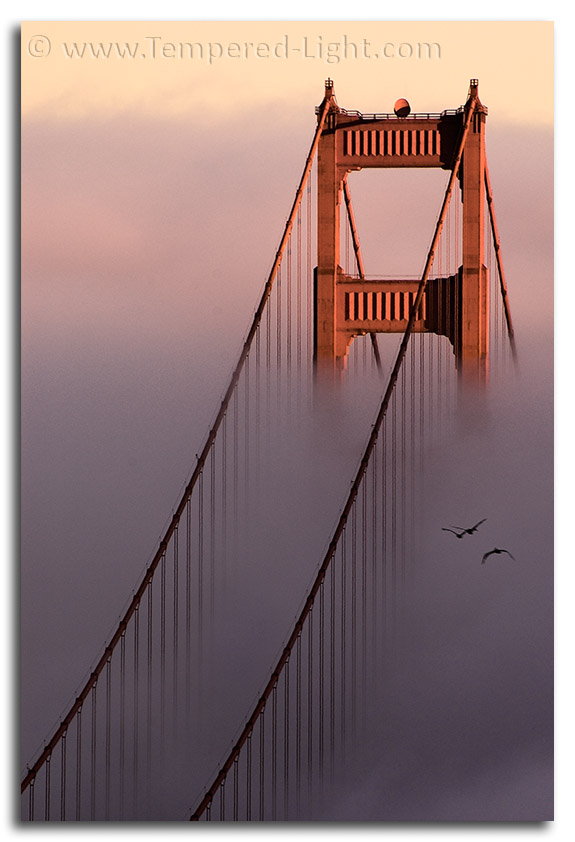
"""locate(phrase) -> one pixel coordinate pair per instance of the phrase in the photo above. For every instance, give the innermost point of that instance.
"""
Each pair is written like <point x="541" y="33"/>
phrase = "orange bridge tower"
<point x="348" y="306"/>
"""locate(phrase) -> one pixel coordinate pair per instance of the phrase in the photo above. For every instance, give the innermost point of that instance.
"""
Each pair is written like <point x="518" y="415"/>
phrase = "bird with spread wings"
<point x="472" y="529"/>
<point x="495" y="551"/>
<point x="460" y="531"/>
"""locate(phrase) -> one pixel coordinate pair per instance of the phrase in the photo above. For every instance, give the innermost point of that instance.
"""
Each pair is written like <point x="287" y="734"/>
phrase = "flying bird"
<point x="495" y="551"/>
<point x="457" y="534"/>
<point x="471" y="529"/>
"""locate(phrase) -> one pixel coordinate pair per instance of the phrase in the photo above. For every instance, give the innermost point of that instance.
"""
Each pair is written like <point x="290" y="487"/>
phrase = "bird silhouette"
<point x="471" y="529"/>
<point x="457" y="534"/>
<point x="495" y="551"/>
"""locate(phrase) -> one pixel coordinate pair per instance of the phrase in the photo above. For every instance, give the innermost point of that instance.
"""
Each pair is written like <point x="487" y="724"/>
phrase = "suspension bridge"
<point x="207" y="704"/>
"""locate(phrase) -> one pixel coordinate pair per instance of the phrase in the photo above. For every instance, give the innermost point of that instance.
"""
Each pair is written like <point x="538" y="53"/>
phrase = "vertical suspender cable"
<point x="200" y="590"/>
<point x="286" y="771"/>
<point x="412" y="398"/>
<point x="393" y="519"/>
<point x="268" y="356"/>
<point x="262" y="765"/>
<point x="235" y="789"/>
<point x="364" y="538"/>
<point x="309" y="276"/>
<point x="298" y="723"/>
<point x="246" y="462"/>
<point x="47" y="789"/>
<point x="279" y="337"/>
<point x="212" y="529"/>
<point x="448" y="321"/>
<point x="289" y="312"/>
<point x="63" y="777"/>
<point x="236" y="461"/>
<point x="224" y="518"/>
<point x="121" y="766"/>
<point x="344" y="636"/>
<point x="374" y="543"/>
<point x="299" y="292"/>
<point x="188" y="607"/>
<point x="258" y="414"/>
<point x="200" y="585"/>
<point x="31" y="811"/>
<point x="136" y="706"/>
<point x="403" y="512"/>
<point x="384" y="520"/>
<point x="274" y="752"/>
<point x="422" y="394"/>
<point x="149" y="661"/>
<point x="321" y="696"/>
<point x="438" y="343"/>
<point x="332" y="670"/>
<point x="162" y="652"/>
<point x="223" y="800"/>
<point x="310" y="709"/>
<point x="108" y="758"/>
<point x="93" y="756"/>
<point x="175" y="627"/>
<point x="79" y="765"/>
<point x="353" y="633"/>
<point x="248" y="777"/>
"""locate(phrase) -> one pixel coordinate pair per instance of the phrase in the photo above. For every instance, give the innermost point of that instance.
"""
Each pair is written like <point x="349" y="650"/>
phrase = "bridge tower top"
<point x="474" y="95"/>
<point x="352" y="141"/>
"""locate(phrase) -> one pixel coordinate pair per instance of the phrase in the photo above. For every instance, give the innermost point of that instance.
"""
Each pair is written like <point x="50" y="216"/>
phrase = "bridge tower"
<point x="348" y="306"/>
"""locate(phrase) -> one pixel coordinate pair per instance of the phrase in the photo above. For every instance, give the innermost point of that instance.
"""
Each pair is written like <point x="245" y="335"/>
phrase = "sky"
<point x="109" y="142"/>
<point x="295" y="58"/>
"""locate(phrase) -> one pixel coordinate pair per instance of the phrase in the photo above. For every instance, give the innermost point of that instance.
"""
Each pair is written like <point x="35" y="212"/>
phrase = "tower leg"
<point x="474" y="322"/>
<point x="328" y="361"/>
